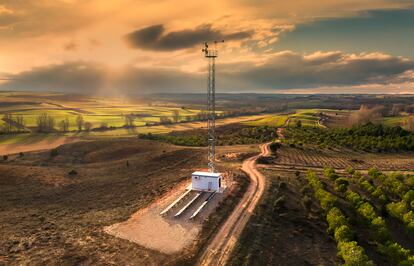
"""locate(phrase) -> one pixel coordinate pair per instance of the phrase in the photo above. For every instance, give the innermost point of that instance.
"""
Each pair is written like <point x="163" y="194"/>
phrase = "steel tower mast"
<point x="211" y="55"/>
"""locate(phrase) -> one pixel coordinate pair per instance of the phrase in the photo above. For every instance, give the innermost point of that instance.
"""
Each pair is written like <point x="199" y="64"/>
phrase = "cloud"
<point x="294" y="70"/>
<point x="155" y="38"/>
<point x="69" y="77"/>
<point x="281" y="71"/>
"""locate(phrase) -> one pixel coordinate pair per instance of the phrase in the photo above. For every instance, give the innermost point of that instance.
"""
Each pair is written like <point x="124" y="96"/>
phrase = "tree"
<point x="176" y="116"/>
<point x="88" y="126"/>
<point x="64" y="125"/>
<point x="129" y="120"/>
<point x="7" y="118"/>
<point x="79" y="122"/>
<point x="19" y="121"/>
<point x="45" y="123"/>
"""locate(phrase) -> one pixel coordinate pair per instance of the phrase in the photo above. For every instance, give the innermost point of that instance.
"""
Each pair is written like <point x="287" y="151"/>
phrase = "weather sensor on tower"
<point x="210" y="181"/>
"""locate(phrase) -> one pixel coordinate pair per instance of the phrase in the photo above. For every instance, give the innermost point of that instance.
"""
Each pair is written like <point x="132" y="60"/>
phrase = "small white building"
<point x="206" y="181"/>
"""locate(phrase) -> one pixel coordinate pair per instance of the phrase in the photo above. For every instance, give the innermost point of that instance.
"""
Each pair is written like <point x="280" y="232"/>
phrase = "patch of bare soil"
<point x="284" y="230"/>
<point x="40" y="145"/>
<point x="49" y="217"/>
<point x="149" y="229"/>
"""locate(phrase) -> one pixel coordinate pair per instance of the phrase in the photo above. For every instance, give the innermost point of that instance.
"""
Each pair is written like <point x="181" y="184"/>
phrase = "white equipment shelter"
<point x="206" y="181"/>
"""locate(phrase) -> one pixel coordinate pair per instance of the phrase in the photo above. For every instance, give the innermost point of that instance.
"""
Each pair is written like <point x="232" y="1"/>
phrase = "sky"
<point x="138" y="47"/>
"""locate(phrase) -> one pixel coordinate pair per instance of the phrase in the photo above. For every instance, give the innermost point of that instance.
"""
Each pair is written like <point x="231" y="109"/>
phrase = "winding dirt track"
<point x="218" y="251"/>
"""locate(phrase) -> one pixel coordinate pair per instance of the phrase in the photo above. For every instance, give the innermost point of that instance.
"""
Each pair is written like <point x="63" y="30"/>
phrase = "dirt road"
<point x="218" y="251"/>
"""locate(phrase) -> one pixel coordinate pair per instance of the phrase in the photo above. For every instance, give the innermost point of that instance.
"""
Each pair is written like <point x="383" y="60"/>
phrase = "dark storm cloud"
<point x="284" y="70"/>
<point x="155" y="38"/>
<point x="294" y="70"/>
<point x="74" y="77"/>
<point x="83" y="77"/>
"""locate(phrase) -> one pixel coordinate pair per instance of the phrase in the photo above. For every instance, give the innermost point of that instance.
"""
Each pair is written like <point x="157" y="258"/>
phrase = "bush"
<point x="367" y="211"/>
<point x="356" y="175"/>
<point x="408" y="220"/>
<point x="395" y="252"/>
<point x="330" y="173"/>
<point x="367" y="186"/>
<point x="397" y="209"/>
<point x="326" y="199"/>
<point x="380" y="229"/>
<point x="274" y="146"/>
<point x="352" y="254"/>
<point x="350" y="170"/>
<point x="313" y="180"/>
<point x="380" y="194"/>
<point x="354" y="198"/>
<point x="374" y="172"/>
<point x="343" y="234"/>
<point x="409" y="196"/>
<point x="335" y="219"/>
<point x="341" y="184"/>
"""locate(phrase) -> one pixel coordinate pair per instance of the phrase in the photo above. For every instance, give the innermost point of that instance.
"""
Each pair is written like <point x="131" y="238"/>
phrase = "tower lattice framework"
<point x="211" y="55"/>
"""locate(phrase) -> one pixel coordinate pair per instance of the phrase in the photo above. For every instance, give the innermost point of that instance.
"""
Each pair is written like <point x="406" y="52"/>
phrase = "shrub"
<point x="274" y="146"/>
<point x="379" y="229"/>
<point x="409" y="196"/>
<point x="357" y="175"/>
<point x="326" y="199"/>
<point x="335" y="219"/>
<point x="397" y="209"/>
<point x="395" y="252"/>
<point x="354" y="198"/>
<point x="341" y="184"/>
<point x="350" y="170"/>
<point x="330" y="173"/>
<point x="374" y="172"/>
<point x="313" y="180"/>
<point x="367" y="211"/>
<point x="352" y="254"/>
<point x="379" y="194"/>
<point x="367" y="186"/>
<point x="394" y="184"/>
<point x="408" y="220"/>
<point x="343" y="234"/>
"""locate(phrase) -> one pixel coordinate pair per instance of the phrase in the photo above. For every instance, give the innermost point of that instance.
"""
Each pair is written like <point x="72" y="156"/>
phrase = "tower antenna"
<point x="211" y="55"/>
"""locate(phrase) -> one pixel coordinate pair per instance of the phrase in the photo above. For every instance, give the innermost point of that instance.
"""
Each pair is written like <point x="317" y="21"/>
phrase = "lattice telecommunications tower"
<point x="211" y="55"/>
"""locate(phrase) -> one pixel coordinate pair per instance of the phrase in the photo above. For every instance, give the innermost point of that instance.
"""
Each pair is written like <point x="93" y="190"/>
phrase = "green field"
<point x="274" y="120"/>
<point x="308" y="117"/>
<point x="112" y="116"/>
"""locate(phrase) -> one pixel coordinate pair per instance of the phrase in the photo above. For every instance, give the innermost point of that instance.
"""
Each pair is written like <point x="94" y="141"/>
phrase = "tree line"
<point x="368" y="137"/>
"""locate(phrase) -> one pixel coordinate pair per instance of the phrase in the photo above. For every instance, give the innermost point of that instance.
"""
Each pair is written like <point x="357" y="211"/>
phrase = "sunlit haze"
<point x="127" y="46"/>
